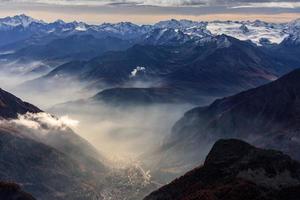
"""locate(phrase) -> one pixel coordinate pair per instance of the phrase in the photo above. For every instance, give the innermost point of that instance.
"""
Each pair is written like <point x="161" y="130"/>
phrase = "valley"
<point x="117" y="111"/>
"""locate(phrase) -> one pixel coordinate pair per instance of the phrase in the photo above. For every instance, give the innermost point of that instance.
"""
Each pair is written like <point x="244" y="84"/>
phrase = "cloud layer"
<point x="152" y="11"/>
<point x="165" y="3"/>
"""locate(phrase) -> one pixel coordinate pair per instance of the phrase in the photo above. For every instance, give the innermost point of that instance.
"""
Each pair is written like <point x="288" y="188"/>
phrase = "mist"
<point x="124" y="136"/>
<point x="13" y="73"/>
<point x="122" y="131"/>
<point x="27" y="81"/>
<point x="121" y="180"/>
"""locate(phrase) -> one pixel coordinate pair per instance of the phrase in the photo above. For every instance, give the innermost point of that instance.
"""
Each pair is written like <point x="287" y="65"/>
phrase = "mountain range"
<point x="259" y="32"/>
<point x="240" y="76"/>
<point x="187" y="72"/>
<point x="195" y="62"/>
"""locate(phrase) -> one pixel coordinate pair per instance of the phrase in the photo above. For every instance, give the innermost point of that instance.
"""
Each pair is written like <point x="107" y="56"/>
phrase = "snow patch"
<point x="275" y="33"/>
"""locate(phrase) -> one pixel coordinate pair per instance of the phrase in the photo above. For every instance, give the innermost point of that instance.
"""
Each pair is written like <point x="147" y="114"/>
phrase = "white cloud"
<point x="270" y="5"/>
<point x="43" y="120"/>
<point x="136" y="71"/>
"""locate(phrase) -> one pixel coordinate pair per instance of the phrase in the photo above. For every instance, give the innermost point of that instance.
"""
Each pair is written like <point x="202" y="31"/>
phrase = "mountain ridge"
<point x="11" y="106"/>
<point x="236" y="170"/>
<point x="222" y="66"/>
<point x="266" y="116"/>
<point x="272" y="32"/>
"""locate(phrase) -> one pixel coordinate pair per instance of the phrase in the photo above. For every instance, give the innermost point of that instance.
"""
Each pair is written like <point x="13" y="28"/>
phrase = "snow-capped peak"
<point x="80" y="26"/>
<point x="294" y="32"/>
<point x="294" y="25"/>
<point x="165" y="32"/>
<point x="256" y="31"/>
<point x="180" y="24"/>
<point x="19" y="20"/>
<point x="59" y="21"/>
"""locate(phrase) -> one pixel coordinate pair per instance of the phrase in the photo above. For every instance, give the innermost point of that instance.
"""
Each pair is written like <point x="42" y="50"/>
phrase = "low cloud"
<point x="41" y="121"/>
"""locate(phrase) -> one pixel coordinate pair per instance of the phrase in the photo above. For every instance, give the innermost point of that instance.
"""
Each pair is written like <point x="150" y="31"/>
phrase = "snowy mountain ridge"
<point x="259" y="32"/>
<point x="20" y="20"/>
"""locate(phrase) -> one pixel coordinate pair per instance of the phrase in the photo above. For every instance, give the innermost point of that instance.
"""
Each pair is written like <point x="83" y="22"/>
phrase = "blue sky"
<point x="151" y="11"/>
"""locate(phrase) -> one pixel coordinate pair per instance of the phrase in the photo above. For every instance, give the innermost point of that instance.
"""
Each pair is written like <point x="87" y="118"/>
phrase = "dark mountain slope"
<point x="11" y="106"/>
<point x="286" y="52"/>
<point x="61" y="138"/>
<point x="235" y="170"/>
<point x="227" y="65"/>
<point x="163" y="61"/>
<point x="141" y="96"/>
<point x="267" y="116"/>
<point x="15" y="34"/>
<point x="117" y="66"/>
<point x="12" y="191"/>
<point x="78" y="47"/>
<point x="44" y="171"/>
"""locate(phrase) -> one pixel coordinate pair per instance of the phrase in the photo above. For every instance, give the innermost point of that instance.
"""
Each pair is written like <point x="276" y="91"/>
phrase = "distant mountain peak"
<point x="59" y="21"/>
<point x="256" y="31"/>
<point x="20" y="20"/>
<point x="296" y="22"/>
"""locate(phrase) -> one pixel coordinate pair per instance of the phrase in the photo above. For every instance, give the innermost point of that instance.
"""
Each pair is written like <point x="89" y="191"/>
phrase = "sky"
<point x="151" y="11"/>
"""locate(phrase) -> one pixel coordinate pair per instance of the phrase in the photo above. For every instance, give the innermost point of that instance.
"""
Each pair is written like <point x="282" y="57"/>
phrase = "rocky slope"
<point x="12" y="191"/>
<point x="44" y="171"/>
<point x="267" y="116"/>
<point x="11" y="106"/>
<point x="235" y="170"/>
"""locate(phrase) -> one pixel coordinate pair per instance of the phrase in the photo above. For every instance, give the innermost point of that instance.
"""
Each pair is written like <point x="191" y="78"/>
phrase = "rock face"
<point x="266" y="116"/>
<point x="11" y="106"/>
<point x="235" y="170"/>
<point x="12" y="191"/>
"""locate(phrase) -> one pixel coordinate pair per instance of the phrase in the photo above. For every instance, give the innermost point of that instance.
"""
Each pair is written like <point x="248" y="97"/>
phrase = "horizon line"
<point x="139" y="24"/>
